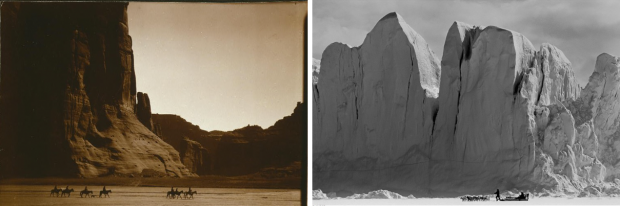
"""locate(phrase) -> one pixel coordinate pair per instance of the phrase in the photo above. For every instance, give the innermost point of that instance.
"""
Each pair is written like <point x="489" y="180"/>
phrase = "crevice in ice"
<point x="517" y="87"/>
<point x="458" y="94"/>
<point x="542" y="75"/>
<point x="411" y="54"/>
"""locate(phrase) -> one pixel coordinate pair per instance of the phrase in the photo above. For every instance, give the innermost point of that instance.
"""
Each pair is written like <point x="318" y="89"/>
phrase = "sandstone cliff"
<point x="195" y="157"/>
<point x="143" y="110"/>
<point x="68" y="98"/>
<point x="506" y="116"/>
<point x="242" y="151"/>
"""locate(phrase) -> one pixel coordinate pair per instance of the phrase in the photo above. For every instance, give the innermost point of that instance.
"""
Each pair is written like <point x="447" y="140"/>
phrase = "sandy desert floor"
<point x="456" y="201"/>
<point x="128" y="195"/>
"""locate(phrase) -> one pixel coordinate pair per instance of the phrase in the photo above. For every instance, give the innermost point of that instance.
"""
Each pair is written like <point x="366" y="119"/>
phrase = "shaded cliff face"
<point x="242" y="151"/>
<point x="374" y="107"/>
<point x="174" y="128"/>
<point x="69" y="94"/>
<point x="485" y="139"/>
<point x="195" y="157"/>
<point x="143" y="110"/>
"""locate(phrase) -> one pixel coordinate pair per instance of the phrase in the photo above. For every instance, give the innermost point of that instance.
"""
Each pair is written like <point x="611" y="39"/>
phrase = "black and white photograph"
<point x="465" y="102"/>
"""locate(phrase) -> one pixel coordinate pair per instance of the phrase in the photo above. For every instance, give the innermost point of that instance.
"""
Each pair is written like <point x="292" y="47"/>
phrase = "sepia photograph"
<point x="465" y="102"/>
<point x="153" y="103"/>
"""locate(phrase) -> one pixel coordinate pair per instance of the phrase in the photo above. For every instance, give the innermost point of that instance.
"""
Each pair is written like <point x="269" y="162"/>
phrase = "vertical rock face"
<point x="374" y="110"/>
<point x="143" y="111"/>
<point x="239" y="152"/>
<point x="69" y="94"/>
<point x="195" y="157"/>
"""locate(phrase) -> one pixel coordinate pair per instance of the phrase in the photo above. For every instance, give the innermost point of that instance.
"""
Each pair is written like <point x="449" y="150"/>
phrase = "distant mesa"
<point x="495" y="112"/>
<point x="243" y="151"/>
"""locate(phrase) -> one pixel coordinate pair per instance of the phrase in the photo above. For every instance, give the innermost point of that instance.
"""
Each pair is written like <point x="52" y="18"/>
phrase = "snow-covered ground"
<point x="457" y="201"/>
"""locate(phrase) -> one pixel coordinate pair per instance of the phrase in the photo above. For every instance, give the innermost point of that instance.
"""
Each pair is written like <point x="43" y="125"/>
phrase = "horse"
<point x="66" y="191"/>
<point x="86" y="192"/>
<point x="177" y="194"/>
<point x="55" y="191"/>
<point x="191" y="194"/>
<point x="105" y="193"/>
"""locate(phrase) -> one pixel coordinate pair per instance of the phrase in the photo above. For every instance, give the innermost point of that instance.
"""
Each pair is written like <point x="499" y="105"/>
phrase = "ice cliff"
<point x="495" y="113"/>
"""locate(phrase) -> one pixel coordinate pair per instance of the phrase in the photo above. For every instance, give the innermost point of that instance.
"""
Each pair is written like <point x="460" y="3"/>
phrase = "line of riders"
<point x="173" y="194"/>
<point x="83" y="193"/>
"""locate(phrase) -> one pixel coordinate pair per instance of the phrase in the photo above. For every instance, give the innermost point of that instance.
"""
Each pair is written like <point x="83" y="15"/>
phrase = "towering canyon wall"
<point x="68" y="95"/>
<point x="504" y="116"/>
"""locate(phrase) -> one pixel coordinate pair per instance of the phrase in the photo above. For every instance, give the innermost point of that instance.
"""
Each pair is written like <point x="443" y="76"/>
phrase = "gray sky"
<point x="219" y="66"/>
<point x="581" y="29"/>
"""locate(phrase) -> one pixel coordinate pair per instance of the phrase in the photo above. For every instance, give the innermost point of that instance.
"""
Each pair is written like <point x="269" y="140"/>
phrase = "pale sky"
<point x="581" y="29"/>
<point x="219" y="66"/>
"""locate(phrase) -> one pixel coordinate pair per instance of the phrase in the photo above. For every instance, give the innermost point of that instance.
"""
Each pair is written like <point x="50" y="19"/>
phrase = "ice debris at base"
<point x="318" y="195"/>
<point x="379" y="194"/>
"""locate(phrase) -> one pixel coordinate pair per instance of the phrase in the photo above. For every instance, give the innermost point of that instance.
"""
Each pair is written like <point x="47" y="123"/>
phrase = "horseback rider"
<point x="104" y="188"/>
<point x="497" y="197"/>
<point x="190" y="189"/>
<point x="55" y="187"/>
<point x="171" y="189"/>
<point x="85" y="188"/>
<point x="67" y="187"/>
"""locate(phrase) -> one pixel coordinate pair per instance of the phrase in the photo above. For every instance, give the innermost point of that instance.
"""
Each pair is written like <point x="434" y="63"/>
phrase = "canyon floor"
<point x="141" y="195"/>
<point x="209" y="181"/>
<point x="457" y="201"/>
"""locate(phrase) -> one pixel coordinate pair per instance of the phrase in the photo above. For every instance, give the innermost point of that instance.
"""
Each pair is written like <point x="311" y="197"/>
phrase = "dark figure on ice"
<point x="522" y="196"/>
<point x="497" y="197"/>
